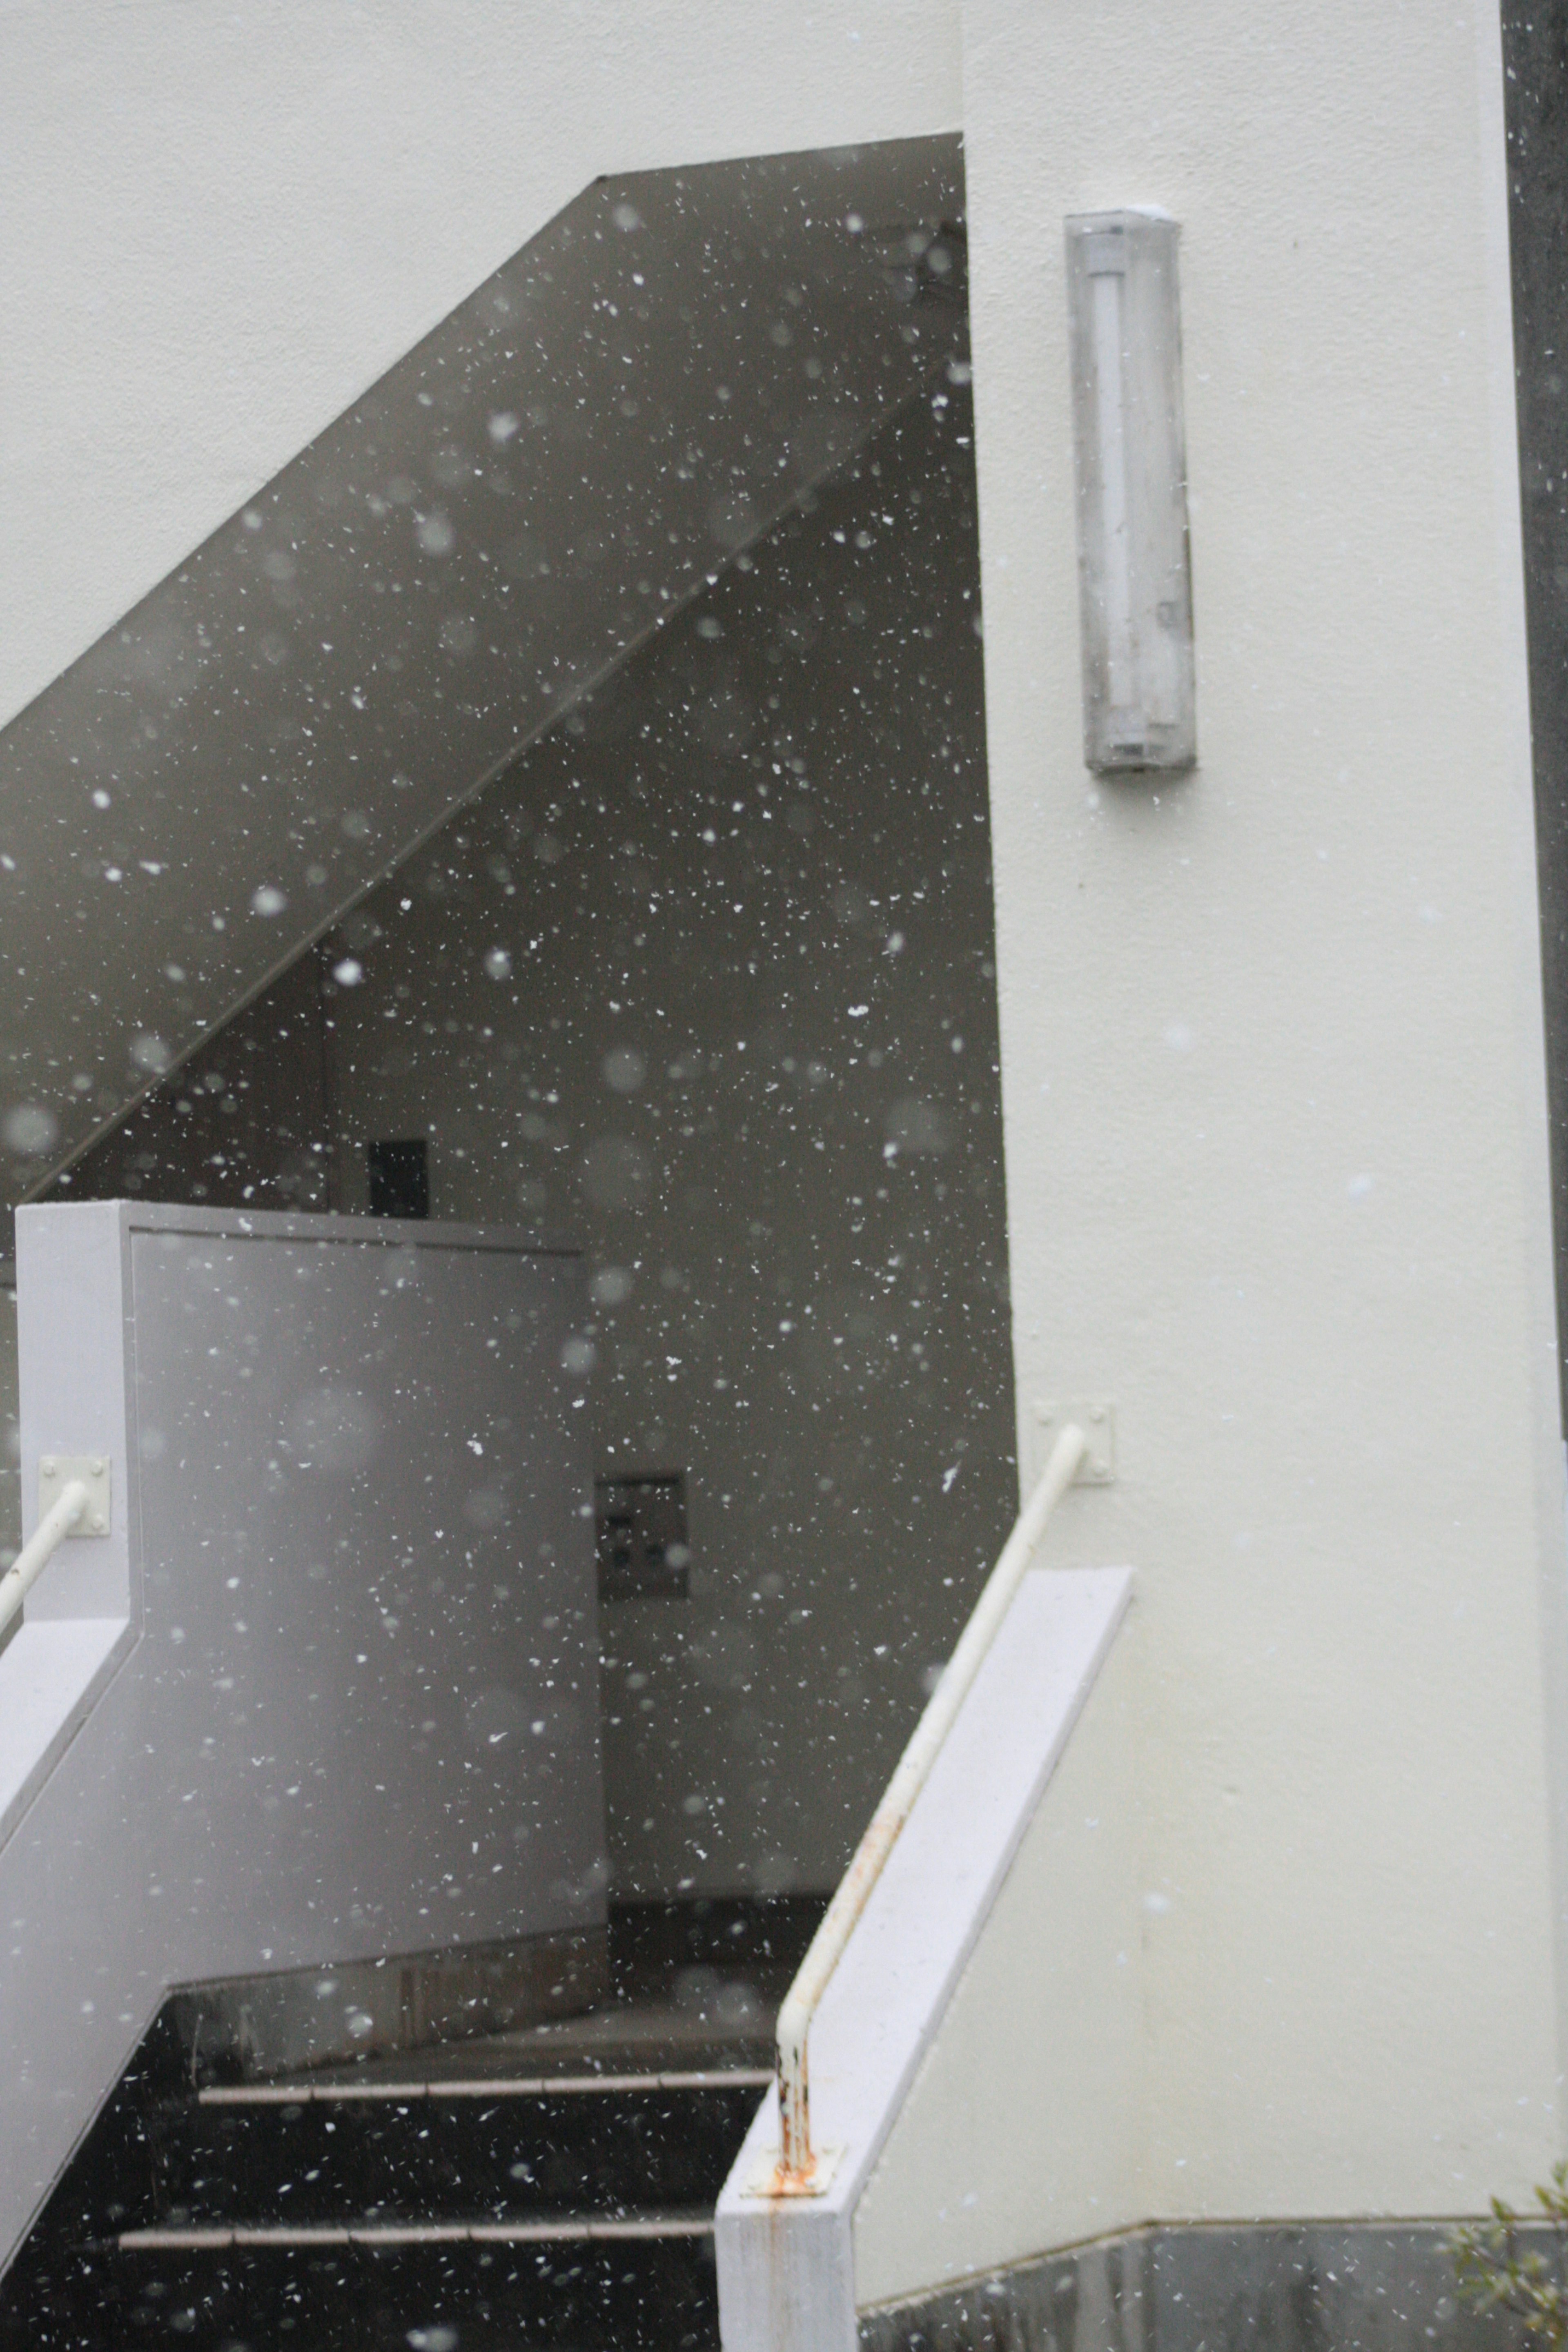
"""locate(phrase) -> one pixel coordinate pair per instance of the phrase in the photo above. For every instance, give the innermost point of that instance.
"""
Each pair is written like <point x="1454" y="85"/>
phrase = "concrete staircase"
<point x="554" y="2185"/>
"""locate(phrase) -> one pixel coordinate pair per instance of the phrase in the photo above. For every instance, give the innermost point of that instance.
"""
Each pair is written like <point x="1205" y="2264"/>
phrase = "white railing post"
<point x="798" y="2173"/>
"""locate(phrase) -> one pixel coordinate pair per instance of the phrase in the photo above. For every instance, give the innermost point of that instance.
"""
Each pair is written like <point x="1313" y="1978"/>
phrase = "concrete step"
<point x="429" y="2293"/>
<point x="448" y="2152"/>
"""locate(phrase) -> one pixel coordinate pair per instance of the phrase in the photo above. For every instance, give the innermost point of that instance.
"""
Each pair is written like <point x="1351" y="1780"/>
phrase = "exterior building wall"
<point x="1272" y="1071"/>
<point x="1271" y="1037"/>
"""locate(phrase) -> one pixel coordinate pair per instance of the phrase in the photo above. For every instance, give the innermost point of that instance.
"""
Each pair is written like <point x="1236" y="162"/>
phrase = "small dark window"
<point x="643" y="1551"/>
<point x="399" y="1178"/>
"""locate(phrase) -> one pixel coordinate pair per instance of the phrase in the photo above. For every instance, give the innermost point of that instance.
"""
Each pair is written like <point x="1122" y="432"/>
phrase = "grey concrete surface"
<point x="754" y="1076"/>
<point x="1316" y="2287"/>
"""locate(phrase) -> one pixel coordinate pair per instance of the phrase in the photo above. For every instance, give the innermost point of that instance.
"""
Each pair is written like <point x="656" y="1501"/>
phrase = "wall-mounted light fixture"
<point x="1134" y="569"/>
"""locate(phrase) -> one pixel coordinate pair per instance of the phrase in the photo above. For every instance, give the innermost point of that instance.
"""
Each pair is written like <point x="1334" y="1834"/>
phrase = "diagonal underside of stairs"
<point x="613" y="416"/>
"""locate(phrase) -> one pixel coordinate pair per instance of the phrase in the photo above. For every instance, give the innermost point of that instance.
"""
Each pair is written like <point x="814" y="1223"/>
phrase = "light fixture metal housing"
<point x="1134" y="570"/>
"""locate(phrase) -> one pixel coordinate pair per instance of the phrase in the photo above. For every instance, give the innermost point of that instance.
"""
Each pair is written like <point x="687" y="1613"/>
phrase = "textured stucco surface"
<point x="1272" y="1078"/>
<point x="1060" y="2090"/>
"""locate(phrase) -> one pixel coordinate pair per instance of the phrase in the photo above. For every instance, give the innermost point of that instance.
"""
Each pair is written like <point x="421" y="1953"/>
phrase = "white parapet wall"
<point x="973" y="2064"/>
<point x="326" y="1689"/>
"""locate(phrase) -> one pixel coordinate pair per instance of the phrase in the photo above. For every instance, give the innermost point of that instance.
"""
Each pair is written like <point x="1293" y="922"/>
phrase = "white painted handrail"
<point x="59" y="1521"/>
<point x="797" y="2173"/>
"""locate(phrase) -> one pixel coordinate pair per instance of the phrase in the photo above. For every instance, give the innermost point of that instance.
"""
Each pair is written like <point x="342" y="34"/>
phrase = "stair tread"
<point x="628" y="2036"/>
<point x="679" y="2223"/>
<point x="337" y="2091"/>
<point x="416" y="2157"/>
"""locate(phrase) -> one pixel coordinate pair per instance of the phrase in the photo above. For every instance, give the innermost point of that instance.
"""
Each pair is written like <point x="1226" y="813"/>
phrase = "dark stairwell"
<point x="554" y="2185"/>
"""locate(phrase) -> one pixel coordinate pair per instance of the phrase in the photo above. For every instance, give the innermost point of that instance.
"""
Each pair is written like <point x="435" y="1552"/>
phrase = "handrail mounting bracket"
<point x="1096" y="1416"/>
<point x="56" y="1472"/>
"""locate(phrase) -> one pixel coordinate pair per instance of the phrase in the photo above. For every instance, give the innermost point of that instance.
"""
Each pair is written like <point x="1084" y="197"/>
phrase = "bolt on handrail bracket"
<point x="62" y="1518"/>
<point x="797" y="2172"/>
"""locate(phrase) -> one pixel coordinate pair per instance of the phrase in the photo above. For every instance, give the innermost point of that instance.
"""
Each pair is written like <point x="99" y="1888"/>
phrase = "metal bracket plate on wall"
<point x="56" y="1472"/>
<point x="1096" y="1416"/>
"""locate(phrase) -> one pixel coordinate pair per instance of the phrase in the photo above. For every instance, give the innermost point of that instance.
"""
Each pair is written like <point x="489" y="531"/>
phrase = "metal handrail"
<point x="61" y="1520"/>
<point x="796" y="2172"/>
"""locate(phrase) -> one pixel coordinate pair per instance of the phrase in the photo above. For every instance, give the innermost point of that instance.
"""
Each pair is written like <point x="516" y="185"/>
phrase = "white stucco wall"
<point x="1039" y="2050"/>
<point x="1272" y="1067"/>
<point x="222" y="224"/>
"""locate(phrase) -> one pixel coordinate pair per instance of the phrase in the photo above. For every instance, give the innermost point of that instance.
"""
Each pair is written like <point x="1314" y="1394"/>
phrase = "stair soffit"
<point x="577" y="449"/>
